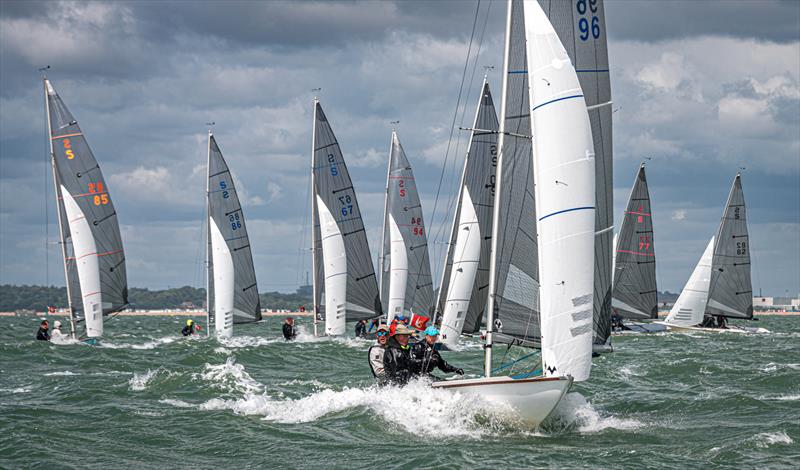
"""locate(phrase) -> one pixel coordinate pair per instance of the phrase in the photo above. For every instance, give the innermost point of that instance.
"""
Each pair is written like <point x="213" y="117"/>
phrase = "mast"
<point x="314" y="280"/>
<point x="487" y="360"/>
<point x="72" y="325"/>
<point x="385" y="220"/>
<point x="208" y="236"/>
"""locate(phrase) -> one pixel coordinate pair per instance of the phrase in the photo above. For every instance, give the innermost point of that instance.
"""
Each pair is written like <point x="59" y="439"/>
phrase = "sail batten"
<point x="635" y="288"/>
<point x="333" y="196"/>
<point x="231" y="272"/>
<point x="88" y="223"/>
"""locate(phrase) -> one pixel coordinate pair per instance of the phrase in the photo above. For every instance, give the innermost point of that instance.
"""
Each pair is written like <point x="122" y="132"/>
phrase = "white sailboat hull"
<point x="533" y="399"/>
<point x="729" y="329"/>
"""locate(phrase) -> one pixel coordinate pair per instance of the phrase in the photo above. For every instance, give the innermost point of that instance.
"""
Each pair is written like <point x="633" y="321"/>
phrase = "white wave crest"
<point x="176" y="403"/>
<point x="766" y="439"/>
<point x="152" y="344"/>
<point x="248" y="341"/>
<point x="575" y="410"/>
<point x="231" y="377"/>
<point x="26" y="389"/>
<point x="139" y="382"/>
<point x="60" y="374"/>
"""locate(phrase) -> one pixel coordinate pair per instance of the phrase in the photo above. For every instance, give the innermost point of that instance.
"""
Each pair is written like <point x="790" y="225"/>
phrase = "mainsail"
<point x="514" y="270"/>
<point x="341" y="252"/>
<point x="581" y="27"/>
<point x="94" y="259"/>
<point x="406" y="284"/>
<point x="565" y="199"/>
<point x="465" y="281"/>
<point x="232" y="288"/>
<point x="730" y="292"/>
<point x="635" y="260"/>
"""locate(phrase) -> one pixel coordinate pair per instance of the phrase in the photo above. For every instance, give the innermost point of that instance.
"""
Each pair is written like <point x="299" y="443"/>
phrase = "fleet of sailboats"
<point x="531" y="254"/>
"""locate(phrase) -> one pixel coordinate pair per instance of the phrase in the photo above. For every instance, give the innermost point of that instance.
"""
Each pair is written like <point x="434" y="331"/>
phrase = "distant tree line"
<point x="38" y="298"/>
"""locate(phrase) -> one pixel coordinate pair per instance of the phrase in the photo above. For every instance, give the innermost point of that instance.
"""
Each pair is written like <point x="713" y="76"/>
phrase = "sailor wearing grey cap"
<point x="376" y="353"/>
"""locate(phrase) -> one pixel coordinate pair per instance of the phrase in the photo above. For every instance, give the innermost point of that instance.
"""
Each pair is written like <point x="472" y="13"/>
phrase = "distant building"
<point x="762" y="302"/>
<point x="305" y="291"/>
<point x="776" y="303"/>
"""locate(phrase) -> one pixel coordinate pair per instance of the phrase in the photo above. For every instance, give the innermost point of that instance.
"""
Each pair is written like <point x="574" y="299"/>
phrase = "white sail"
<point x="398" y="274"/>
<point x="224" y="277"/>
<point x="691" y="304"/>
<point x="334" y="259"/>
<point x="466" y="257"/>
<point x="565" y="200"/>
<point x="86" y="258"/>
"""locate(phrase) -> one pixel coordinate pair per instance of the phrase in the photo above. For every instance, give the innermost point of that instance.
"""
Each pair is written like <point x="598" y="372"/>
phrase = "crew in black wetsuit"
<point x="616" y="321"/>
<point x="428" y="358"/>
<point x="708" y="322"/>
<point x="288" y="329"/>
<point x="722" y="322"/>
<point x="43" y="334"/>
<point x="398" y="363"/>
<point x="361" y="329"/>
<point x="188" y="330"/>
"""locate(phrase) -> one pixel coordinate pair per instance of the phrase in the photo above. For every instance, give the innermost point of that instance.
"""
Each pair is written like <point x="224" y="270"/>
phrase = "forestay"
<point x="514" y="295"/>
<point x="581" y="26"/>
<point x="464" y="288"/>
<point x="730" y="292"/>
<point x="333" y="189"/>
<point x="635" y="287"/>
<point x="92" y="245"/>
<point x="230" y="255"/>
<point x="565" y="200"/>
<point x="404" y="227"/>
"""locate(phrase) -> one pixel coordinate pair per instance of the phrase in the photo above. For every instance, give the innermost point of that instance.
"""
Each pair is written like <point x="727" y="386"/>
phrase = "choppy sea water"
<point x="148" y="398"/>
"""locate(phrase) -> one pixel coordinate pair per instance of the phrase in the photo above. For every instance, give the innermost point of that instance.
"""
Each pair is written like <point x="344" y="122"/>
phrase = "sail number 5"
<point x="583" y="7"/>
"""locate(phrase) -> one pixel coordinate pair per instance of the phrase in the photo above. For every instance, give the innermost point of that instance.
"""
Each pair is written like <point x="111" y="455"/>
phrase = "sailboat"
<point x="91" y="245"/>
<point x="463" y="291"/>
<point x="406" y="284"/>
<point x="231" y="290"/>
<point x="720" y="284"/>
<point x="542" y="100"/>
<point x="343" y="272"/>
<point x="635" y="290"/>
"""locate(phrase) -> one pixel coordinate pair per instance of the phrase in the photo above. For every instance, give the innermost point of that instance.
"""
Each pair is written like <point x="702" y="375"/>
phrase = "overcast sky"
<point x="701" y="87"/>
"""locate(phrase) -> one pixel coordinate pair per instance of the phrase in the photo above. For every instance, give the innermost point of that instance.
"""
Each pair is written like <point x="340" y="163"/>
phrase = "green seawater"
<point x="148" y="398"/>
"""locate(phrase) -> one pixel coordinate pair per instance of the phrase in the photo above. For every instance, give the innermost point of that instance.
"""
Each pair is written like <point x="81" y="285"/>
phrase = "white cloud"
<point x="679" y="215"/>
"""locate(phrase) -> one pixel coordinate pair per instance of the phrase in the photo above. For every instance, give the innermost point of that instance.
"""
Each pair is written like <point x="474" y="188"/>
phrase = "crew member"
<point x="398" y="363"/>
<point x="188" y="330"/>
<point x="428" y="358"/>
<point x="376" y="353"/>
<point x="56" y="334"/>
<point x="361" y="329"/>
<point x="288" y="329"/>
<point x="43" y="334"/>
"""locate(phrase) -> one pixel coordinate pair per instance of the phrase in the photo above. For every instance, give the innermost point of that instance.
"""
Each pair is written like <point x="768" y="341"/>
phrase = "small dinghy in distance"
<point x="720" y="285"/>
<point x="91" y="244"/>
<point x="539" y="76"/>
<point x="231" y="289"/>
<point x="634" y="294"/>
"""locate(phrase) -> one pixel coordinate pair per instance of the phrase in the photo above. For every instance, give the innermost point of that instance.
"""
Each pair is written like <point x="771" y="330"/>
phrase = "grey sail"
<point x="515" y="260"/>
<point x="333" y="186"/>
<point x="479" y="180"/>
<point x="635" y="286"/>
<point x="730" y="291"/>
<point x="77" y="172"/>
<point x="581" y="26"/>
<point x="405" y="209"/>
<point x="225" y="210"/>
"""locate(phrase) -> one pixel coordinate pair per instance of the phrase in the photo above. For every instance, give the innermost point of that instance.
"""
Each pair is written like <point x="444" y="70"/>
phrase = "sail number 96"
<point x="236" y="223"/>
<point x="586" y="25"/>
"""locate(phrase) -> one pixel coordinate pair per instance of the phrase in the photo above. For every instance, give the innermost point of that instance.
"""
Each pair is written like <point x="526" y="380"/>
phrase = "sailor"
<point x="398" y="364"/>
<point x="722" y="322"/>
<point x="188" y="330"/>
<point x="288" y="329"/>
<point x="376" y="322"/>
<point x="56" y="334"/>
<point x="708" y="322"/>
<point x="361" y="329"/>
<point x="398" y="319"/>
<point x="377" y="351"/>
<point x="43" y="334"/>
<point x="428" y="358"/>
<point x="616" y="321"/>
